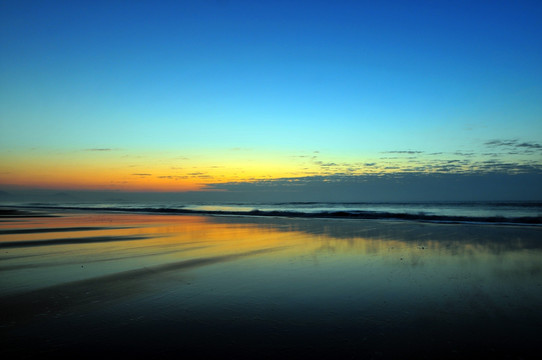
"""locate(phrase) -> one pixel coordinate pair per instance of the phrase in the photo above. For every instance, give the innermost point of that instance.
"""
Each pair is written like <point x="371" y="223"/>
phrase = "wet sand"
<point x="98" y="284"/>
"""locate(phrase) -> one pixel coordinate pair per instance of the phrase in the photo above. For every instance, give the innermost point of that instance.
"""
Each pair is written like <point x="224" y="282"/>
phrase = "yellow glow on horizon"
<point x="148" y="172"/>
<point x="110" y="169"/>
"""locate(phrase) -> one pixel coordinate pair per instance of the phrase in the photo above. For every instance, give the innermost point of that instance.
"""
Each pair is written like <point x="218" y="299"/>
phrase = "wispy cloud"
<point x="461" y="153"/>
<point x="403" y="152"/>
<point x="173" y="177"/>
<point x="513" y="143"/>
<point x="200" y="175"/>
<point x="529" y="145"/>
<point x="498" y="143"/>
<point x="99" y="149"/>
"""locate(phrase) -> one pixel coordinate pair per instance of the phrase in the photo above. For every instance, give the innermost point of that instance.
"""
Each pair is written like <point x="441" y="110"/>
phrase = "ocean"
<point x="509" y="212"/>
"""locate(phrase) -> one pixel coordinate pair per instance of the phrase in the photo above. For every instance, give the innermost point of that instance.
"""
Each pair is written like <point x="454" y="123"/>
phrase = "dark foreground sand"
<point x="160" y="286"/>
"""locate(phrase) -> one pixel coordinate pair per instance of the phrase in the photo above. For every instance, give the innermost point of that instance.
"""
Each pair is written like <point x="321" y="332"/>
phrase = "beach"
<point x="99" y="283"/>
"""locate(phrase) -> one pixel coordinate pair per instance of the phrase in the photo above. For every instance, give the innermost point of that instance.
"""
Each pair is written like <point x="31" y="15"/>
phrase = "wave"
<point x="339" y="214"/>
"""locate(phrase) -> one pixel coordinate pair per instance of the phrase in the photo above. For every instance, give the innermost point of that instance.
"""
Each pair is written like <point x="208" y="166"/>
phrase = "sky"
<point x="362" y="99"/>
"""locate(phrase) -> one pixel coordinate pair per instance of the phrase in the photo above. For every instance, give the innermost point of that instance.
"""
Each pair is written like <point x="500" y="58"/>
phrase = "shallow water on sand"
<point x="159" y="285"/>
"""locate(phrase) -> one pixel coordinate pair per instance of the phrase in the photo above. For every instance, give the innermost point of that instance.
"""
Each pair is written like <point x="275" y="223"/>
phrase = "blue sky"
<point x="351" y="81"/>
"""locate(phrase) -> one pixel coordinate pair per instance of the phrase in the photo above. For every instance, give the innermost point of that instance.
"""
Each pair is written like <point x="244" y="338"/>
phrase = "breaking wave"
<point x="297" y="210"/>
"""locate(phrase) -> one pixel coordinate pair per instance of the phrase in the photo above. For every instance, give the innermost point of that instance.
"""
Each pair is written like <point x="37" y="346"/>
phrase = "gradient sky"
<point x="188" y="95"/>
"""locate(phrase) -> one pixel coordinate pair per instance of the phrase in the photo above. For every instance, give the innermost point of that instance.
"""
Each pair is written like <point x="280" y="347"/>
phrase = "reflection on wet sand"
<point x="73" y="241"/>
<point x="57" y="229"/>
<point x="248" y="286"/>
<point x="85" y="292"/>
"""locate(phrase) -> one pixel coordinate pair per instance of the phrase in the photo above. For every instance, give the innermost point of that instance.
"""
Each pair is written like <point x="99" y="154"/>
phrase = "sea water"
<point x="526" y="212"/>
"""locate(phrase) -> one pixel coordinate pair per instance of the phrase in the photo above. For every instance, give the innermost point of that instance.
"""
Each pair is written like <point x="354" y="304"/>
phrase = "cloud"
<point x="390" y="187"/>
<point x="200" y="175"/>
<point x="460" y="153"/>
<point x="513" y="143"/>
<point x="529" y="145"/>
<point x="403" y="152"/>
<point x="172" y="177"/>
<point x="99" y="149"/>
<point x="141" y="174"/>
<point x="498" y="143"/>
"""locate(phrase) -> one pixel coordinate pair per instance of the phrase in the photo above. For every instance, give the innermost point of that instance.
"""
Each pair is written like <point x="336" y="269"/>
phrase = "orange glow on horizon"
<point x="154" y="172"/>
